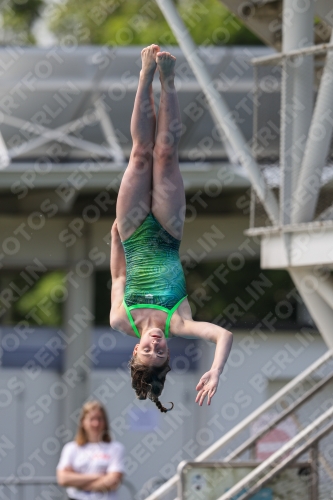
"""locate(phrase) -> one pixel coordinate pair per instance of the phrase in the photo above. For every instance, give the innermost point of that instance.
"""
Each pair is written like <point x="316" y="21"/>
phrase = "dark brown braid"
<point x="148" y="381"/>
<point x="160" y="407"/>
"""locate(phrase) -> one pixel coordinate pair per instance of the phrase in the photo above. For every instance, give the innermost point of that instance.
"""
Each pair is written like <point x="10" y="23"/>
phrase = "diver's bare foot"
<point x="166" y="65"/>
<point x="148" y="56"/>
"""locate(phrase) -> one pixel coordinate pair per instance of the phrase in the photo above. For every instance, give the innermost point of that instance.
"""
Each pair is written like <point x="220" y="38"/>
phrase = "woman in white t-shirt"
<point x="91" y="467"/>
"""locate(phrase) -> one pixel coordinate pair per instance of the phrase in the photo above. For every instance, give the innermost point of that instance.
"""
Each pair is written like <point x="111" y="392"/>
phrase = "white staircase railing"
<point x="297" y="445"/>
<point x="309" y="374"/>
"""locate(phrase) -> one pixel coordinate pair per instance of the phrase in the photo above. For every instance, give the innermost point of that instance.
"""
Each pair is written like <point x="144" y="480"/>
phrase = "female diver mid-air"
<point x="148" y="297"/>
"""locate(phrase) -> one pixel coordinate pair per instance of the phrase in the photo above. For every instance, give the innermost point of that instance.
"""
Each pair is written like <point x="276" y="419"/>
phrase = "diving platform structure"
<point x="292" y="214"/>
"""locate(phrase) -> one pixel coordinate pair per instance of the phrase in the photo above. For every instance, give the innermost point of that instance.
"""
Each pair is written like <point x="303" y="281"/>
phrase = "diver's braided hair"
<point x="148" y="381"/>
<point x="160" y="407"/>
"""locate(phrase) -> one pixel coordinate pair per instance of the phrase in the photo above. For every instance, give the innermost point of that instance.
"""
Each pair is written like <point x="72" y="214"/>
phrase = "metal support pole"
<point x="4" y="157"/>
<point x="77" y="329"/>
<point x="109" y="132"/>
<point x="317" y="148"/>
<point x="319" y="309"/>
<point x="314" y="474"/>
<point x="255" y="92"/>
<point x="321" y="48"/>
<point x="219" y="109"/>
<point x="286" y="142"/>
<point x="325" y="290"/>
<point x="301" y="35"/>
<point x="296" y="98"/>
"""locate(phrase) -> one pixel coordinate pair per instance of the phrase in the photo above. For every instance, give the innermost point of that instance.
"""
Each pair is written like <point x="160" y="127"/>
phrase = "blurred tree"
<point x="140" y="22"/>
<point x="121" y="22"/>
<point x="18" y="17"/>
<point x="43" y="303"/>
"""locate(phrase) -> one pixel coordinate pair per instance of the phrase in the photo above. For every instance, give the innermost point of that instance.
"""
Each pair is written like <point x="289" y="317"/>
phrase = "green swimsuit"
<point x="154" y="274"/>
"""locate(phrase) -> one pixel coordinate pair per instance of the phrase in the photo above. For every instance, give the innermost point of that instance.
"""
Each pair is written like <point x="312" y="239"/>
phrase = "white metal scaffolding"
<point x="296" y="240"/>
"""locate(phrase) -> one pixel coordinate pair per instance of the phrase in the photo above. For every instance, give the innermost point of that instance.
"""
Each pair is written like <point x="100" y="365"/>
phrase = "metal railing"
<point x="307" y="439"/>
<point x="287" y="390"/>
<point x="306" y="51"/>
<point x="13" y="482"/>
<point x="198" y="481"/>
<point x="296" y="446"/>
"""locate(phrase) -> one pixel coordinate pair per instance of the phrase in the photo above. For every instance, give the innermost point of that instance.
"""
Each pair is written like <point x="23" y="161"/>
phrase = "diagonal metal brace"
<point x="220" y="110"/>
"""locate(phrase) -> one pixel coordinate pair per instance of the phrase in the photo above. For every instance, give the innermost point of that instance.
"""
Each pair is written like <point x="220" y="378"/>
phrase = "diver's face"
<point x="153" y="349"/>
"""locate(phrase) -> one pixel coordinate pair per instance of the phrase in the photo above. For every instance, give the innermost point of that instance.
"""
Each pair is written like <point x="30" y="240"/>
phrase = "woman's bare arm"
<point x="67" y="477"/>
<point x="208" y="383"/>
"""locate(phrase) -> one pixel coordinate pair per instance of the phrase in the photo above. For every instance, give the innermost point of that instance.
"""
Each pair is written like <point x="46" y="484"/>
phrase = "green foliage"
<point x="125" y="22"/>
<point x="140" y="22"/>
<point x="18" y="17"/>
<point x="42" y="304"/>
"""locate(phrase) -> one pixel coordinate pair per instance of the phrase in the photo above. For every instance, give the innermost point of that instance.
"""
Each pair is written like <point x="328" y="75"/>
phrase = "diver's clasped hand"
<point x="207" y="386"/>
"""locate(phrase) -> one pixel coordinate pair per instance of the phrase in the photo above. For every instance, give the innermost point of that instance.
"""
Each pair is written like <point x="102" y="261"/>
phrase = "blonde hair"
<point x="81" y="437"/>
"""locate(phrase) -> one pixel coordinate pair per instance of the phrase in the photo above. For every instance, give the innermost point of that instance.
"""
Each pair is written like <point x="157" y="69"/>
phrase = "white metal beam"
<point x="219" y="109"/>
<point x="78" y="325"/>
<point x="298" y="31"/>
<point x="4" y="156"/>
<point x="325" y="289"/>
<point x="296" y="98"/>
<point x="100" y="175"/>
<point x="45" y="135"/>
<point x="49" y="135"/>
<point x="310" y="227"/>
<point x="321" y="48"/>
<point x="309" y="246"/>
<point x="286" y="141"/>
<point x="113" y="84"/>
<point x="322" y="314"/>
<point x="317" y="148"/>
<point x="108" y="130"/>
<point x="59" y="134"/>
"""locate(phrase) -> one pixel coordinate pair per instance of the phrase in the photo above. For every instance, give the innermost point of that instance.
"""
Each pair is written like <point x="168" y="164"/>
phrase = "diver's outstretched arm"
<point x="223" y="339"/>
<point x="209" y="381"/>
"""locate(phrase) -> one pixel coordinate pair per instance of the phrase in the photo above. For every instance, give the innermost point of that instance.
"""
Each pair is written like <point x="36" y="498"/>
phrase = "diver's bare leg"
<point x="168" y="204"/>
<point x="134" y="198"/>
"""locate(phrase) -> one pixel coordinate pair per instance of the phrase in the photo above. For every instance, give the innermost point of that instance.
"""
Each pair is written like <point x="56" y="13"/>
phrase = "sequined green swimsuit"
<point x="154" y="274"/>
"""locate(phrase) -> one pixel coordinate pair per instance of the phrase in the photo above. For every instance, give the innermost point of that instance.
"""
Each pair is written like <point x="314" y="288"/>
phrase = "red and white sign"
<point x="274" y="439"/>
